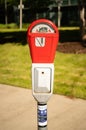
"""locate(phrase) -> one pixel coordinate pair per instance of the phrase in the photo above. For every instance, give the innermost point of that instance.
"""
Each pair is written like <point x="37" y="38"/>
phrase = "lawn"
<point x="70" y="75"/>
<point x="15" y="67"/>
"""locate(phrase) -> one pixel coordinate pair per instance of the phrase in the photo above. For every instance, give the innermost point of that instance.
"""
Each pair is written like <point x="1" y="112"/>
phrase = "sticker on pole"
<point x="42" y="115"/>
<point x="40" y="41"/>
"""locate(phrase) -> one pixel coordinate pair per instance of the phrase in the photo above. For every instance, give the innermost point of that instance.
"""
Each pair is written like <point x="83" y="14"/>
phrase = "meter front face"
<point x="42" y="28"/>
<point x="42" y="40"/>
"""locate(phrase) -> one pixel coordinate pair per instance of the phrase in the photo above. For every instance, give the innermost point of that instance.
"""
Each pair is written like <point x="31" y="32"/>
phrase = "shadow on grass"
<point x="69" y="36"/>
<point x="13" y="37"/>
<point x="21" y="36"/>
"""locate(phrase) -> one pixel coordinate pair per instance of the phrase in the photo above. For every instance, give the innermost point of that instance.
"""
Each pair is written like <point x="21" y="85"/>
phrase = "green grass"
<point x="70" y="75"/>
<point x="9" y="26"/>
<point x="15" y="63"/>
<point x="13" y="26"/>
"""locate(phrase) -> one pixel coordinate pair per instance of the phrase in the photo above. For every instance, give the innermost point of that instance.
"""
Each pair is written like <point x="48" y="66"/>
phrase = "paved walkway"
<point x="18" y="111"/>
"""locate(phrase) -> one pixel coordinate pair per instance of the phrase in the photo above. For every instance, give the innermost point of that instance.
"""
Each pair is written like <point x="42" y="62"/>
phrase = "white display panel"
<point x="42" y="79"/>
<point x="42" y="28"/>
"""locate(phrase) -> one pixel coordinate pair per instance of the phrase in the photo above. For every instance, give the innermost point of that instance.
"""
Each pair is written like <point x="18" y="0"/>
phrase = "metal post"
<point x="20" y="14"/>
<point x="6" y="12"/>
<point x="42" y="116"/>
<point x="59" y="16"/>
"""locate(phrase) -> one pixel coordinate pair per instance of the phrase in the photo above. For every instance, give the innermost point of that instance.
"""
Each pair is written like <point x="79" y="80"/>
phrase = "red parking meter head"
<point x="42" y="36"/>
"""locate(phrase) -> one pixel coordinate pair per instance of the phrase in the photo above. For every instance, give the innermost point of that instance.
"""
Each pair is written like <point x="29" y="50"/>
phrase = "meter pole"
<point x="42" y="116"/>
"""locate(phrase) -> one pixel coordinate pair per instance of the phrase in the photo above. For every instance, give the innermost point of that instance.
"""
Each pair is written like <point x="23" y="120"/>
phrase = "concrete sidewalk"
<point x="18" y="111"/>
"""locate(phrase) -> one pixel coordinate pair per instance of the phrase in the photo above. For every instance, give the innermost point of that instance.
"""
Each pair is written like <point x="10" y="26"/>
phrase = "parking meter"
<point x="42" y="36"/>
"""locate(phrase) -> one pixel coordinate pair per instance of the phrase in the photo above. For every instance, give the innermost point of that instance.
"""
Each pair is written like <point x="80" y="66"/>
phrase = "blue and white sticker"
<point x="42" y="115"/>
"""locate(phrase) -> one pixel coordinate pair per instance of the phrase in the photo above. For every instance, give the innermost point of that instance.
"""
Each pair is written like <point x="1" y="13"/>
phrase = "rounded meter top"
<point x="42" y="36"/>
<point x="42" y="26"/>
